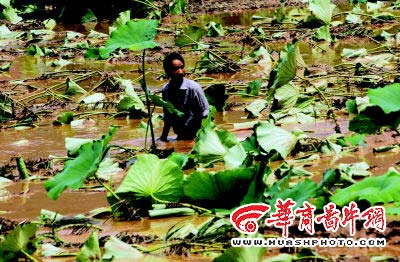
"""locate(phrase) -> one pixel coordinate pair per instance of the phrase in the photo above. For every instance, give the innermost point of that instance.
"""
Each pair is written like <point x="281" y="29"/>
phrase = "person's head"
<point x="174" y="66"/>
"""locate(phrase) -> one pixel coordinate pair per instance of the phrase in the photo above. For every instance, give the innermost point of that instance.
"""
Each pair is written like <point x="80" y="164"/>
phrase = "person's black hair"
<point x="167" y="64"/>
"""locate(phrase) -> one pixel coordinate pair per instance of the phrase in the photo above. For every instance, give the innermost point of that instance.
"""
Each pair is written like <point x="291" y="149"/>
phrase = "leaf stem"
<point x="194" y="207"/>
<point x="29" y="256"/>
<point x="112" y="192"/>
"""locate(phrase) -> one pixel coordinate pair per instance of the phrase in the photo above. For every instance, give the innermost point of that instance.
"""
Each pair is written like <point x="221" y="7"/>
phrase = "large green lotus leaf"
<point x="135" y="35"/>
<point x="226" y="188"/>
<point x="387" y="98"/>
<point x="285" y="70"/>
<point x="271" y="137"/>
<point x="22" y="239"/>
<point x="83" y="166"/>
<point x="116" y="250"/>
<point x="322" y="9"/>
<point x="150" y="176"/>
<point x="190" y="35"/>
<point x="90" y="250"/>
<point x="379" y="189"/>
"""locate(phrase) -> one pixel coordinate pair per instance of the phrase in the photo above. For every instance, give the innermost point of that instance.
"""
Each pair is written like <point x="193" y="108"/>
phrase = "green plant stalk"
<point x="29" y="256"/>
<point x="23" y="172"/>
<point x="146" y="92"/>
<point x="78" y="225"/>
<point x="107" y="187"/>
<point x="85" y="115"/>
<point x="196" y="208"/>
<point x="149" y="250"/>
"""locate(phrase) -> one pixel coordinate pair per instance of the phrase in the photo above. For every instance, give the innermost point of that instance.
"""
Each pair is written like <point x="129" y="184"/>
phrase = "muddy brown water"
<point x="23" y="200"/>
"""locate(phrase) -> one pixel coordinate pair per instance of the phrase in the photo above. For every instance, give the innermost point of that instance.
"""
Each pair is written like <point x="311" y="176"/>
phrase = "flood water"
<point x="24" y="200"/>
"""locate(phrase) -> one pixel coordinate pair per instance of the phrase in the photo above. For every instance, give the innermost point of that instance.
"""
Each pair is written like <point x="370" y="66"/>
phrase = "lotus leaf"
<point x="387" y="98"/>
<point x="285" y="70"/>
<point x="152" y="177"/>
<point x="323" y="33"/>
<point x="322" y="9"/>
<point x="177" y="7"/>
<point x="135" y="35"/>
<point x="73" y="88"/>
<point x="65" y="118"/>
<point x="123" y="18"/>
<point x="256" y="107"/>
<point x="253" y="88"/>
<point x="271" y="137"/>
<point x="11" y="15"/>
<point x="22" y="239"/>
<point x="190" y="35"/>
<point x="214" y="145"/>
<point x="214" y="29"/>
<point x="224" y="188"/>
<point x="90" y="250"/>
<point x="379" y="189"/>
<point x="83" y="166"/>
<point x="117" y="250"/>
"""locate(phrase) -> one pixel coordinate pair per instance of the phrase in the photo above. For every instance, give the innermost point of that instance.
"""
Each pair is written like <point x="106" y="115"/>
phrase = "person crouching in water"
<point x="186" y="96"/>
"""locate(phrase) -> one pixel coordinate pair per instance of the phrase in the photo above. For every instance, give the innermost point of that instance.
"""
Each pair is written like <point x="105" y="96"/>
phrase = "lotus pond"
<point x="305" y="106"/>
